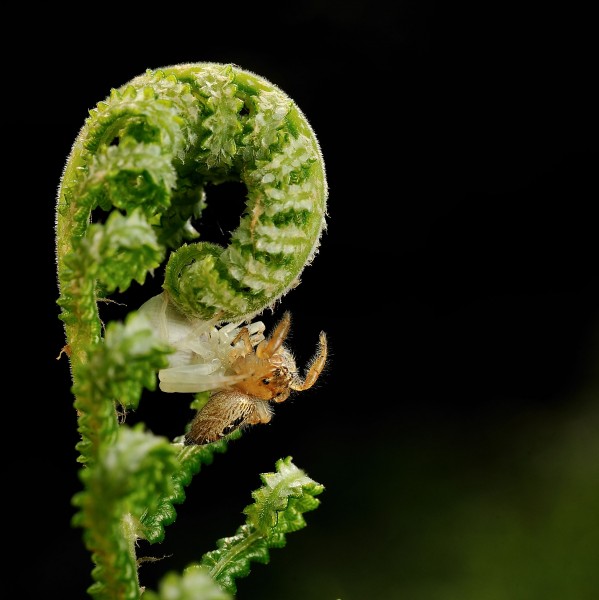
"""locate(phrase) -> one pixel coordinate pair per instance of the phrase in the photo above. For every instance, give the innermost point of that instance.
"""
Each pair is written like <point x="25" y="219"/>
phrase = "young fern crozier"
<point x="144" y="158"/>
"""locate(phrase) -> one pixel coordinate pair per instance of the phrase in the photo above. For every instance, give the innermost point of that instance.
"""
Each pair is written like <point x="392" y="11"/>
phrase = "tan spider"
<point x="242" y="370"/>
<point x="257" y="374"/>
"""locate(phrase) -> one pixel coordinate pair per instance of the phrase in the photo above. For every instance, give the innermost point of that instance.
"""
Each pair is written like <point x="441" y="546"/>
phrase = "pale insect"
<point x="244" y="370"/>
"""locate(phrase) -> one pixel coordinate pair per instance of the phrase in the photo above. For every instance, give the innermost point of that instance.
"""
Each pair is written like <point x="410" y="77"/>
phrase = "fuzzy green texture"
<point x="278" y="509"/>
<point x="123" y="483"/>
<point x="253" y="133"/>
<point x="130" y="197"/>
<point x="118" y="368"/>
<point x="152" y="146"/>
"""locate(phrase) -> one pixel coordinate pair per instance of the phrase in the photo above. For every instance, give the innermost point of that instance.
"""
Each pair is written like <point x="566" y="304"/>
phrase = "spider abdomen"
<point x="225" y="412"/>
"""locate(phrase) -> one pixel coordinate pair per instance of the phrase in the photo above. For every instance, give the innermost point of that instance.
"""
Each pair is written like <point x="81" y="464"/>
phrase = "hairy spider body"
<point x="243" y="370"/>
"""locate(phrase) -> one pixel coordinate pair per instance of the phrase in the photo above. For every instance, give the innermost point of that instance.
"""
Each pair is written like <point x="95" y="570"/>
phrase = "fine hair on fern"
<point x="129" y="202"/>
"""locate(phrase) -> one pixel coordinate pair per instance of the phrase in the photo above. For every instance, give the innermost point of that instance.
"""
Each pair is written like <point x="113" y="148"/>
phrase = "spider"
<point x="243" y="370"/>
<point x="259" y="375"/>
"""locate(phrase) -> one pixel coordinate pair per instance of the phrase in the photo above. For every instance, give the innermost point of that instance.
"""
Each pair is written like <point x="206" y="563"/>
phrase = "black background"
<point x="455" y="427"/>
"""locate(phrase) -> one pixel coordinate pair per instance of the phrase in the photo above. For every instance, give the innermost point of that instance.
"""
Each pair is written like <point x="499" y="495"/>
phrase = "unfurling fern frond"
<point x="278" y="509"/>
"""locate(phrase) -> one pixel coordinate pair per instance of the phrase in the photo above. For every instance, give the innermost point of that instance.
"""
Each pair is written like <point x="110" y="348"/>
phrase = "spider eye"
<point x="266" y="381"/>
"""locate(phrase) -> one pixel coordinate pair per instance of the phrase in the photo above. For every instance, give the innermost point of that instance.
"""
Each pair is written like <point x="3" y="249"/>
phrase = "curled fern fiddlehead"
<point x="155" y="144"/>
<point x="144" y="158"/>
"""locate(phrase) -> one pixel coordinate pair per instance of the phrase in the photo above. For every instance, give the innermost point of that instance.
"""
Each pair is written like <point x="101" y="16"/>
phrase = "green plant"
<point x="130" y="195"/>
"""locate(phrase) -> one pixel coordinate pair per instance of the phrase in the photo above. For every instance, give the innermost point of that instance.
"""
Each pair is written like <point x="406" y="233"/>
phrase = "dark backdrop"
<point x="456" y="427"/>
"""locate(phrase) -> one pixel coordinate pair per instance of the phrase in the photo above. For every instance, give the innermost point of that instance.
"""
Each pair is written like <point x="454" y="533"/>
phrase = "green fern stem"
<point x="127" y="479"/>
<point x="239" y="549"/>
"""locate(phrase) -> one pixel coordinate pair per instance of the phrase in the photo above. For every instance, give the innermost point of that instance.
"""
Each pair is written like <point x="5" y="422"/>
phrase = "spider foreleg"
<point x="269" y="347"/>
<point x="316" y="366"/>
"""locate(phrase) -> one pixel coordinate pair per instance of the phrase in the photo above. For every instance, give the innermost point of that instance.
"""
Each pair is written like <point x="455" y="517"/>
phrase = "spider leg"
<point x="269" y="347"/>
<point x="316" y="366"/>
<point x="244" y="336"/>
<point x="262" y="413"/>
